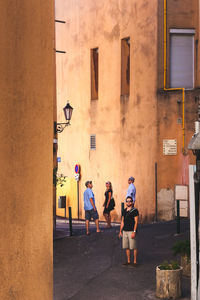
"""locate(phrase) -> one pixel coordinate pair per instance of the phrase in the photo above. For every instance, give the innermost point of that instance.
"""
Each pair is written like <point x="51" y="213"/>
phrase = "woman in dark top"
<point x="107" y="205"/>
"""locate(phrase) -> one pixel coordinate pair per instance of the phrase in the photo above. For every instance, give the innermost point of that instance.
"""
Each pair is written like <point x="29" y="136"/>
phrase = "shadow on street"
<point x="90" y="267"/>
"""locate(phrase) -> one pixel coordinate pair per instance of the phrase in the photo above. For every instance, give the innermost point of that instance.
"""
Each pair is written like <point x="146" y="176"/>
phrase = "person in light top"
<point x="90" y="208"/>
<point x="131" y="192"/>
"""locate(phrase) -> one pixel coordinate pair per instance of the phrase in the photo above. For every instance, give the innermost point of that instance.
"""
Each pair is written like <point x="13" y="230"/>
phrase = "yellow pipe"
<point x="165" y="75"/>
<point x="165" y="42"/>
<point x="183" y="121"/>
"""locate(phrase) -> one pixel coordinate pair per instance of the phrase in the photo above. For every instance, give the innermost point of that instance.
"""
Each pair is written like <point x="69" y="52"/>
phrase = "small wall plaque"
<point x="169" y="147"/>
<point x="181" y="192"/>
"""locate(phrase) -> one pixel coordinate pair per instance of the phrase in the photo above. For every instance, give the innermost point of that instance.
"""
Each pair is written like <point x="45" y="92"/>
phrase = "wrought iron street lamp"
<point x="59" y="127"/>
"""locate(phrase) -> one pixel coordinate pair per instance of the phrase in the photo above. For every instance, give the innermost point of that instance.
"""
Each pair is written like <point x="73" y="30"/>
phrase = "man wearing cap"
<point x="131" y="192"/>
<point x="89" y="207"/>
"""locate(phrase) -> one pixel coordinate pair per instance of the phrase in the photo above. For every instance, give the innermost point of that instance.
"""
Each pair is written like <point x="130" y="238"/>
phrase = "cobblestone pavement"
<point x="90" y="267"/>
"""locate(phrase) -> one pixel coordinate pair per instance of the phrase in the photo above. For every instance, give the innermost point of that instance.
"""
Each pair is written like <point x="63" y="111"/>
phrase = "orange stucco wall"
<point x="27" y="89"/>
<point x="129" y="129"/>
<point x="173" y="170"/>
<point x="125" y="127"/>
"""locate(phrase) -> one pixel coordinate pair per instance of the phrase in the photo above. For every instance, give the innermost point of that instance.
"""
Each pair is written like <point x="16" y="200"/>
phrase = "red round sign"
<point x="76" y="168"/>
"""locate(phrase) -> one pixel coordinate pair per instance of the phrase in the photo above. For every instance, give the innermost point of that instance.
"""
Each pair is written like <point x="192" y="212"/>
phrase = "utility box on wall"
<point x="62" y="202"/>
<point x="181" y="194"/>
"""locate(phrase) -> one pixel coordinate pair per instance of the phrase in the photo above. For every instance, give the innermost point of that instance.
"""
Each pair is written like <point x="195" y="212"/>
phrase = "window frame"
<point x="182" y="32"/>
<point x="94" y="73"/>
<point x="125" y="67"/>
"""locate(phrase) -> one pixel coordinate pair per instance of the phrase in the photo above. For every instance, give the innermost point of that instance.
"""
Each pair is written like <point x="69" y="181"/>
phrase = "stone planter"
<point x="168" y="283"/>
<point x="185" y="264"/>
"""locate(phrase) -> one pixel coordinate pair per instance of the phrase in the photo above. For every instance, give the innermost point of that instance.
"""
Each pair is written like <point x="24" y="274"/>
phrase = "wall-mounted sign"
<point x="169" y="147"/>
<point x="181" y="192"/>
<point x="58" y="159"/>
<point x="77" y="177"/>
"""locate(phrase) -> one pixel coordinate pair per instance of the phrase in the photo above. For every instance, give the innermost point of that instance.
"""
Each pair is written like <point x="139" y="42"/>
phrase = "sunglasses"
<point x="129" y="201"/>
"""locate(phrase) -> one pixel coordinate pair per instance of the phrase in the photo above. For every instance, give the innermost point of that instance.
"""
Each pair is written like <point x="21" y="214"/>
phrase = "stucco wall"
<point x="27" y="88"/>
<point x="129" y="129"/>
<point x="174" y="169"/>
<point x="125" y="127"/>
<point x="69" y="189"/>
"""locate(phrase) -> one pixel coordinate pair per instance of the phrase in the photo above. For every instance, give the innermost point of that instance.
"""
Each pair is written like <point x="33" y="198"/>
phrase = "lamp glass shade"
<point x="68" y="111"/>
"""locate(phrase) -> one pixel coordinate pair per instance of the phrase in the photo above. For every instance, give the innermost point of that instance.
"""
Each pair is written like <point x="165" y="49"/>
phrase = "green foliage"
<point x="58" y="179"/>
<point x="182" y="248"/>
<point x="172" y="265"/>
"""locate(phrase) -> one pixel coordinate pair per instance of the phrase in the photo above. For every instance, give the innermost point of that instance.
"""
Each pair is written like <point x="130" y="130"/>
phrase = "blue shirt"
<point x="88" y="194"/>
<point x="131" y="191"/>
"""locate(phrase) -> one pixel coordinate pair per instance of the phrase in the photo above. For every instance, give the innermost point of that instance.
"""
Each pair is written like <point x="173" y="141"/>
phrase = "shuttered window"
<point x="182" y="58"/>
<point x="92" y="142"/>
<point x="94" y="73"/>
<point x="125" y="66"/>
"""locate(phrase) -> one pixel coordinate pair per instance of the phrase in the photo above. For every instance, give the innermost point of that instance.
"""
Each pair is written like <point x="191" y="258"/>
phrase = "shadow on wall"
<point x="146" y="219"/>
<point x="115" y="217"/>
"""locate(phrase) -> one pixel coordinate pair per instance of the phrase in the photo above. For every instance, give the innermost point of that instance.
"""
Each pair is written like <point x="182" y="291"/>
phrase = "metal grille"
<point x="93" y="142"/>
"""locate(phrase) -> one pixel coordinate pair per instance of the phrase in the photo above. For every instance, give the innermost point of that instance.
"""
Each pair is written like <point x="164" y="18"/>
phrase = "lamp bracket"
<point x="59" y="127"/>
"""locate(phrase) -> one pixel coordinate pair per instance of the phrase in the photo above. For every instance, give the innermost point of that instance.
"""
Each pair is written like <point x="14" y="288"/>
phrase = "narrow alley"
<point x="90" y="267"/>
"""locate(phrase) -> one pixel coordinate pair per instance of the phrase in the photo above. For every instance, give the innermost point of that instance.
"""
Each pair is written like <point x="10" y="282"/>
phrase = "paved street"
<point x="90" y="267"/>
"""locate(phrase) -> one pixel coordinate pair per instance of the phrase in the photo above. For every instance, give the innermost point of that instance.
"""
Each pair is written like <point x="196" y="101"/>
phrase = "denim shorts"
<point x="91" y="214"/>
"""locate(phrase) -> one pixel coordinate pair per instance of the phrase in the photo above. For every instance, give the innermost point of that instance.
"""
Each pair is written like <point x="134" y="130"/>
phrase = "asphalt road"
<point x="90" y="267"/>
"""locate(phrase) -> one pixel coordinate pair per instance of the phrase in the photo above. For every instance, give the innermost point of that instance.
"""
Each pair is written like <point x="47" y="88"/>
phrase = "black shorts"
<point x="107" y="210"/>
<point x="91" y="214"/>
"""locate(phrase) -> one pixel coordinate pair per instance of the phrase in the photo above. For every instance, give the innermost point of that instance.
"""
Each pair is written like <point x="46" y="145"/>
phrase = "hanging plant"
<point x="58" y="179"/>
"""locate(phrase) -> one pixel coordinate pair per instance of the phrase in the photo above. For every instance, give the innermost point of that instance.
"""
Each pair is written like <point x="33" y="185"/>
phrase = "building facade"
<point x="131" y="72"/>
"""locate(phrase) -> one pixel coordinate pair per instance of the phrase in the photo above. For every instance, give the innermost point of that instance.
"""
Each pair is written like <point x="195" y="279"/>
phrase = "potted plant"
<point x="182" y="248"/>
<point x="168" y="280"/>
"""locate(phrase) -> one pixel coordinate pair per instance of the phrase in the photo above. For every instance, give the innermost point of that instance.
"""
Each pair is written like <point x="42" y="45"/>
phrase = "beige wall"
<point x="129" y="129"/>
<point x="125" y="128"/>
<point x="27" y="89"/>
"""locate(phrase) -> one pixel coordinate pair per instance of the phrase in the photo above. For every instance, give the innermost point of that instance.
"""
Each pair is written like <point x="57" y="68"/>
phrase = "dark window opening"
<point x="125" y="66"/>
<point x="94" y="73"/>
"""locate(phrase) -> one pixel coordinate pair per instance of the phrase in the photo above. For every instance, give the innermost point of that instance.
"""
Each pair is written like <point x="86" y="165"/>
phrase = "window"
<point x="182" y="58"/>
<point x="92" y="142"/>
<point x="94" y="73"/>
<point x="125" y="66"/>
